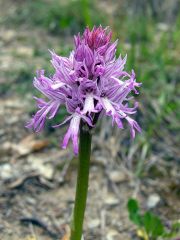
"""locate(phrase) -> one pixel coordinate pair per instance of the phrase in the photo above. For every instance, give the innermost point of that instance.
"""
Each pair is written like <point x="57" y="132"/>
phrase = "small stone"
<point x="153" y="200"/>
<point x="112" y="234"/>
<point x="44" y="169"/>
<point x="94" y="223"/>
<point x="117" y="176"/>
<point x="6" y="171"/>
<point x="31" y="201"/>
<point x="111" y="201"/>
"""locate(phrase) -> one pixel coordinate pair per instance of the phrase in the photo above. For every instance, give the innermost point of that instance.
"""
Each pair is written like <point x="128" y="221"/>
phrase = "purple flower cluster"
<point x="89" y="82"/>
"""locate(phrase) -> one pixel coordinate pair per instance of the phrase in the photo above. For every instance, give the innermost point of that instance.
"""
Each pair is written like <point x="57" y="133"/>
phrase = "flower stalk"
<point x="82" y="183"/>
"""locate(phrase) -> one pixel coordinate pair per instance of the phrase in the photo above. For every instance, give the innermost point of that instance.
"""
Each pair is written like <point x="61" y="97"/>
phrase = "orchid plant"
<point x="91" y="83"/>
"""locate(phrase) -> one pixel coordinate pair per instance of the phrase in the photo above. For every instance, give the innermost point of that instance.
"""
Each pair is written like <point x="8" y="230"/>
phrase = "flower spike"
<point x="88" y="82"/>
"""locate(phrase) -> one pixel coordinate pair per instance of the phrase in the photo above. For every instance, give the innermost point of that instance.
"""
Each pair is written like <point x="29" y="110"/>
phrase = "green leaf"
<point x="133" y="206"/>
<point x="153" y="225"/>
<point x="133" y="209"/>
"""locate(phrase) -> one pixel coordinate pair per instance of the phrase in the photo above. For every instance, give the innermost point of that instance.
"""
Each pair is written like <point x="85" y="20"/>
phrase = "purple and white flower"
<point x="89" y="82"/>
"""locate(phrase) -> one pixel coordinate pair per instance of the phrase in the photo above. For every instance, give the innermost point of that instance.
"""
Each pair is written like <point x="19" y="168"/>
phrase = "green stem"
<point x="82" y="184"/>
